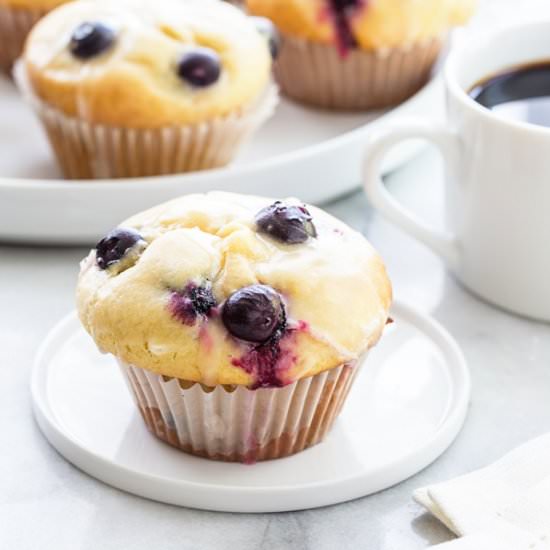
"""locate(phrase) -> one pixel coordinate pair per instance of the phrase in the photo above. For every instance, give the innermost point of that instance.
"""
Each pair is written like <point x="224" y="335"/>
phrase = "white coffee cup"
<point x="497" y="179"/>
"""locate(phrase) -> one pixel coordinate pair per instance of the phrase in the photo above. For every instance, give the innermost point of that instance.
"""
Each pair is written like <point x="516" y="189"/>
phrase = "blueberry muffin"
<point x="17" y="17"/>
<point x="239" y="322"/>
<point x="139" y="88"/>
<point x="359" y="54"/>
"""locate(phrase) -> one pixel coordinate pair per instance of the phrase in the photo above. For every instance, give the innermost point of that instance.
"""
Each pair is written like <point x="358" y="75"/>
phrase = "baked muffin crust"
<point x="134" y="83"/>
<point x="162" y="306"/>
<point x="373" y="24"/>
<point x="33" y="4"/>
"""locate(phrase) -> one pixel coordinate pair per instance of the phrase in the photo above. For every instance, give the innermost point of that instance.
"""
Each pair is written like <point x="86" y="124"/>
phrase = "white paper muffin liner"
<point x="318" y="75"/>
<point x="15" y="24"/>
<point x="94" y="151"/>
<point x="237" y="424"/>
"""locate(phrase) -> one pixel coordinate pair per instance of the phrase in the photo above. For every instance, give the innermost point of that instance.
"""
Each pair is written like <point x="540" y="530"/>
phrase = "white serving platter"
<point x="406" y="407"/>
<point x="312" y="154"/>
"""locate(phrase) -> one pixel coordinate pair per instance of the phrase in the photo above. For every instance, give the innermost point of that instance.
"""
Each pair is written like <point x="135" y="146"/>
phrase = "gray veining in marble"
<point x="47" y="504"/>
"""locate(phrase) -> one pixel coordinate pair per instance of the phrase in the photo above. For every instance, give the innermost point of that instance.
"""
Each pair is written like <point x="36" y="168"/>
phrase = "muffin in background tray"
<point x="239" y="322"/>
<point x="132" y="88"/>
<point x="359" y="54"/>
<point x="17" y="17"/>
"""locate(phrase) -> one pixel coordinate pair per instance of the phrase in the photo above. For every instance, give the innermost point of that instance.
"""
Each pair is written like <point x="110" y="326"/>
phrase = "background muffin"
<point x="17" y="17"/>
<point x="239" y="323"/>
<point x="134" y="88"/>
<point x="359" y="54"/>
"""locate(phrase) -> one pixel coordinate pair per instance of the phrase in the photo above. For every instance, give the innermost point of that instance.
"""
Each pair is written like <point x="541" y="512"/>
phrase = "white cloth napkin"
<point x="505" y="506"/>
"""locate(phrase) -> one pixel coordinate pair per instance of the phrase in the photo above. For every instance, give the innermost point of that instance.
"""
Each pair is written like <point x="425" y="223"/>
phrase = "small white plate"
<point x="315" y="155"/>
<point x="405" y="409"/>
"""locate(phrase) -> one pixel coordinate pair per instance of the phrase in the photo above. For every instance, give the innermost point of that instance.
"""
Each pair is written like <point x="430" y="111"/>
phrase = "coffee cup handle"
<point x="445" y="245"/>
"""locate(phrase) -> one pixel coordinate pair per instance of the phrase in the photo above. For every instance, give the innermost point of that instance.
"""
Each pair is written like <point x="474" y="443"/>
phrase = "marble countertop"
<point x="46" y="503"/>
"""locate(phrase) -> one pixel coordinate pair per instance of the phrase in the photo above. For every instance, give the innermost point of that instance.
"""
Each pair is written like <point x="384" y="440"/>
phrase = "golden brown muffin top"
<point x="145" y="64"/>
<point x="368" y="24"/>
<point x="231" y="289"/>
<point x="41" y="5"/>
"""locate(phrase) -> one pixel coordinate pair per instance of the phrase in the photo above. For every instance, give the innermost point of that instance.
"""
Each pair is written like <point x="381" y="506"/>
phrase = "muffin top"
<point x="230" y="289"/>
<point x="367" y="24"/>
<point x="33" y="4"/>
<point x="146" y="64"/>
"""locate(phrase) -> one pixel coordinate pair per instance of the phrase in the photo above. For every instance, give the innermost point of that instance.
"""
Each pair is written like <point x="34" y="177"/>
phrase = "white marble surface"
<point x="45" y="503"/>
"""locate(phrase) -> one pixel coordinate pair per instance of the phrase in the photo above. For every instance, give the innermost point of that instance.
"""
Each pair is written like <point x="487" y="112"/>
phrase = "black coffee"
<point x="519" y="93"/>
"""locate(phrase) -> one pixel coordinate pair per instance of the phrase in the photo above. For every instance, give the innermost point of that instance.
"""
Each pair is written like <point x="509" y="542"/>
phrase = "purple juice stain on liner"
<point x="192" y="302"/>
<point x="253" y="447"/>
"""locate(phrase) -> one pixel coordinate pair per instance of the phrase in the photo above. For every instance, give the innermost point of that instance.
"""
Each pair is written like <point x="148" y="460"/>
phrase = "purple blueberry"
<point x="200" y="67"/>
<point x="255" y="313"/>
<point x="91" y="39"/>
<point x="115" y="245"/>
<point x="269" y="31"/>
<point x="194" y="301"/>
<point x="288" y="224"/>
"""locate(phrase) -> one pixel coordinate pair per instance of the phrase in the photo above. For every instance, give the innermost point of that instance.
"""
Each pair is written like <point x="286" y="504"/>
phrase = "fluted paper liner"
<point x="317" y="74"/>
<point x="15" y="24"/>
<point x="94" y="151"/>
<point x="238" y="424"/>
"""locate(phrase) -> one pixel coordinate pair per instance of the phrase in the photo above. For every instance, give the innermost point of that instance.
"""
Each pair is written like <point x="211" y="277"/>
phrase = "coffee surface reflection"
<point x="518" y="93"/>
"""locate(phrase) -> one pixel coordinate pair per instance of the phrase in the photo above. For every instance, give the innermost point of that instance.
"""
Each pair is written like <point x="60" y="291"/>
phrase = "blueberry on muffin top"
<point x="144" y="64"/>
<point x="229" y="289"/>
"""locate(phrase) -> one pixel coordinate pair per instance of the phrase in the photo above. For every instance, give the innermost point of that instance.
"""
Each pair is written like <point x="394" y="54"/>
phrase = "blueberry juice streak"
<point x="269" y="362"/>
<point x="256" y="315"/>
<point x="261" y="361"/>
<point x="341" y="12"/>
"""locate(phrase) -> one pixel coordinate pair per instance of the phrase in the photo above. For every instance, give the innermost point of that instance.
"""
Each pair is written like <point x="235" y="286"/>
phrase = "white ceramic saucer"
<point x="405" y="409"/>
